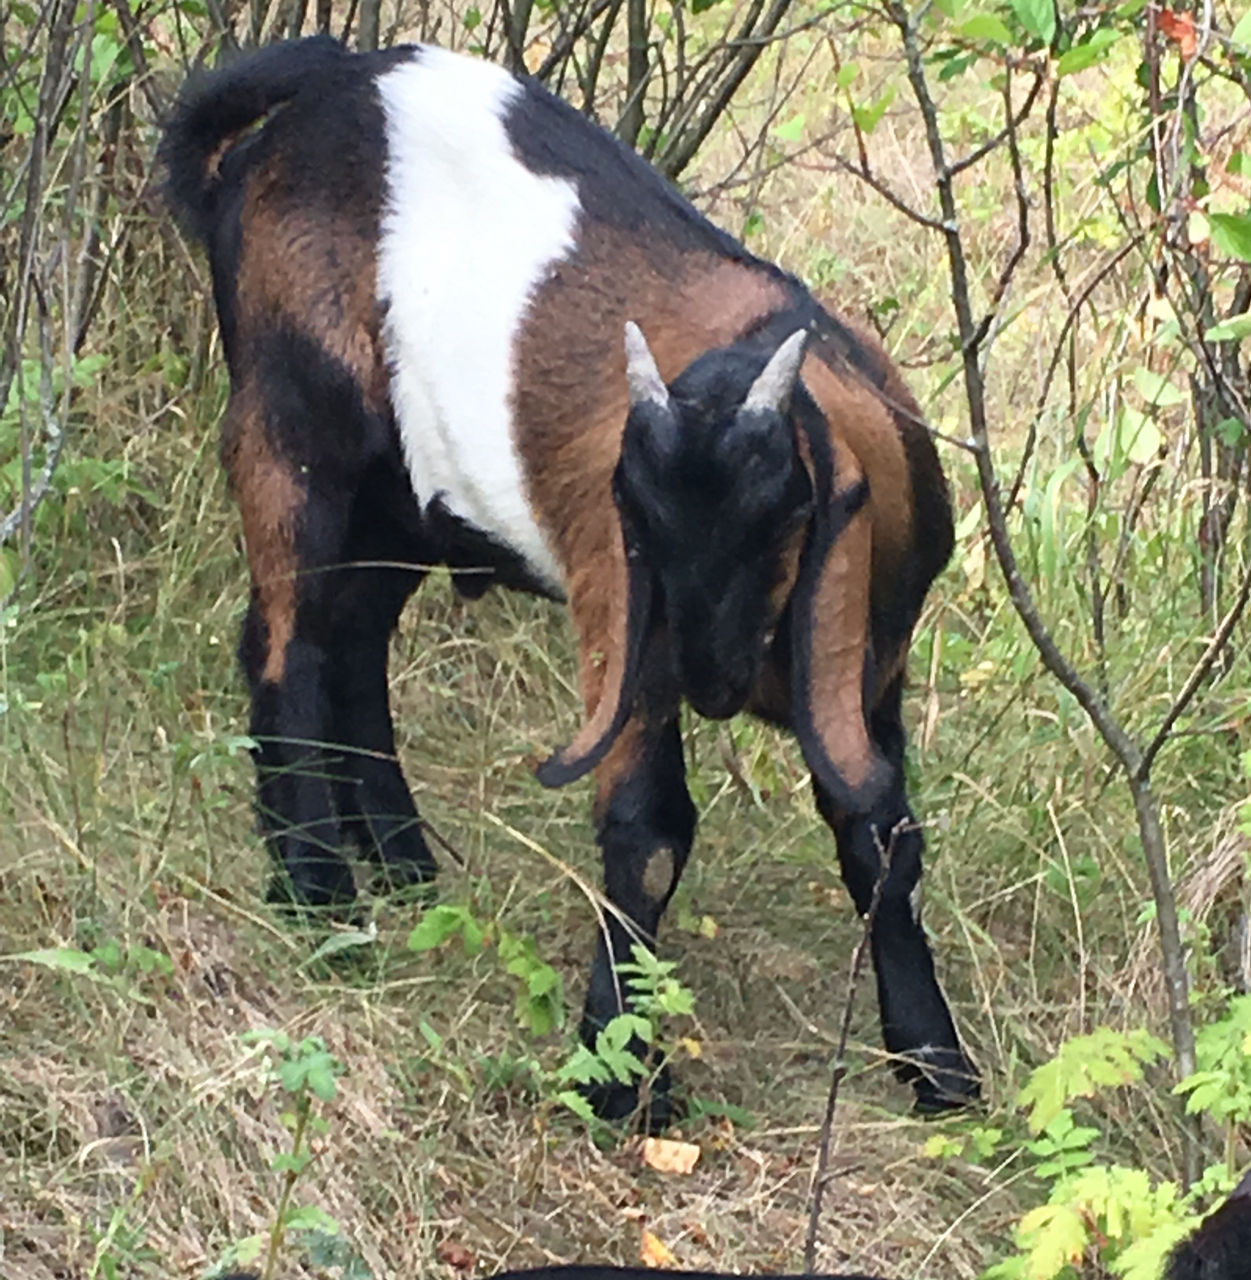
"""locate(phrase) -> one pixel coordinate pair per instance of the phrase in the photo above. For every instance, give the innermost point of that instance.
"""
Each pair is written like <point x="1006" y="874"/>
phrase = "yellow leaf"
<point x="978" y="675"/>
<point x="666" y="1155"/>
<point x="691" y="1047"/>
<point x="653" y="1252"/>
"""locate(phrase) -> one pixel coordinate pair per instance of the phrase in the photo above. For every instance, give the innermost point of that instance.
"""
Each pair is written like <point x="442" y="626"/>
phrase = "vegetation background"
<point x="1044" y="210"/>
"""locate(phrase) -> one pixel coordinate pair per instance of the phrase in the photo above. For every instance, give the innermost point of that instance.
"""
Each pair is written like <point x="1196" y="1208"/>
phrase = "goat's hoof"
<point x="944" y="1080"/>
<point x="623" y="1102"/>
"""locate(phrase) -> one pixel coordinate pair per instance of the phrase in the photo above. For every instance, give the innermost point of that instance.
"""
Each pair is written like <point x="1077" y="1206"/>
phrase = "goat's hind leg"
<point x="284" y="655"/>
<point x="916" y="1023"/>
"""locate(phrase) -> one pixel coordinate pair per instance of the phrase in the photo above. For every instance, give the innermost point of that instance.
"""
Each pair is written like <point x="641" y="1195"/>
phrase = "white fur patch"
<point x="468" y="233"/>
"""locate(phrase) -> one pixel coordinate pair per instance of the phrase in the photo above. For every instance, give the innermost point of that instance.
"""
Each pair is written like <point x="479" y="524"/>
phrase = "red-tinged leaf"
<point x="1180" y="28"/>
<point x="455" y="1255"/>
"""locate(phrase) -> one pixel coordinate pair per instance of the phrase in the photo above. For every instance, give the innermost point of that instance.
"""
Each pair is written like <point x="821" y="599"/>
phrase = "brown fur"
<point x="621" y="761"/>
<point x="866" y="442"/>
<point x="315" y="272"/>
<point x="315" y="276"/>
<point x="840" y="628"/>
<point x="270" y="500"/>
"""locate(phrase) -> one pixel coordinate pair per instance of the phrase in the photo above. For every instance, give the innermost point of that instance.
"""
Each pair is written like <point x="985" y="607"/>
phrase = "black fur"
<point x="326" y="747"/>
<point x="650" y="812"/>
<point x="735" y="474"/>
<point x="916" y="1023"/>
<point x="210" y="110"/>
<point x="615" y="186"/>
<point x="1220" y="1248"/>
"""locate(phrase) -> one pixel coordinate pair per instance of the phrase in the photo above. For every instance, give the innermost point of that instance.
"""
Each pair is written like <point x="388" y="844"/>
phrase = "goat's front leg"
<point x="916" y="1023"/>
<point x="645" y="822"/>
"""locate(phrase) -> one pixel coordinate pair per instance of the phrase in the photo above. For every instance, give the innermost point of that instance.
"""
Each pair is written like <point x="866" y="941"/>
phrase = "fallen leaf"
<point x="666" y="1155"/>
<point x="654" y="1253"/>
<point x="455" y="1255"/>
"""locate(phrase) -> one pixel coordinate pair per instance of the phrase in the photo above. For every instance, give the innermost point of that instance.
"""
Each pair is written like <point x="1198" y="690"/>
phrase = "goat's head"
<point x="713" y="499"/>
<point x="731" y="523"/>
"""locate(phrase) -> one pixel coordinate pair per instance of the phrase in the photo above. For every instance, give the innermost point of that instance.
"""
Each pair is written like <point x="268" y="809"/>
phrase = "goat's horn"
<point x="646" y="384"/>
<point x="771" y="392"/>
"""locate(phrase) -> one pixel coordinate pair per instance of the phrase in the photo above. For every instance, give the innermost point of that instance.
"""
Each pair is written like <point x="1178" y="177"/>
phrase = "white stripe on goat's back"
<point x="468" y="233"/>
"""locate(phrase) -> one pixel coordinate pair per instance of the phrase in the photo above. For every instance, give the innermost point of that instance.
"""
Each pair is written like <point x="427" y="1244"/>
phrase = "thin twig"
<point x="820" y="1171"/>
<point x="1197" y="676"/>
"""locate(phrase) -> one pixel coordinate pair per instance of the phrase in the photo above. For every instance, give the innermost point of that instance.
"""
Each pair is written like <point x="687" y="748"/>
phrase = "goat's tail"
<point x="213" y="110"/>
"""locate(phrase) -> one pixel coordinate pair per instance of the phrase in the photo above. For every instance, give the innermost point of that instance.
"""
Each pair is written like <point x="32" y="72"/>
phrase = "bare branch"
<point x="34" y="491"/>
<point x="820" y="1174"/>
<point x="1014" y="123"/>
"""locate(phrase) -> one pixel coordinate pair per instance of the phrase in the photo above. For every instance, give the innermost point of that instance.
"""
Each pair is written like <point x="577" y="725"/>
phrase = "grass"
<point x="136" y="1127"/>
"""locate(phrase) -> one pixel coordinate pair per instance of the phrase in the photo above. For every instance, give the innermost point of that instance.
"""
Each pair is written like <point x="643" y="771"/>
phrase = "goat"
<point x="1220" y="1247"/>
<point x="464" y="325"/>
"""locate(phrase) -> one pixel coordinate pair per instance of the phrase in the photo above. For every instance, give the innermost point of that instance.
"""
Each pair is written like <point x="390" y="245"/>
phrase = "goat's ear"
<point x="831" y="652"/>
<point x="618" y="646"/>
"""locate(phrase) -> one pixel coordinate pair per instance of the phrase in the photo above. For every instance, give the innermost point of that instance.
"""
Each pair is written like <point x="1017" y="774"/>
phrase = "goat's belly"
<point x="468" y="234"/>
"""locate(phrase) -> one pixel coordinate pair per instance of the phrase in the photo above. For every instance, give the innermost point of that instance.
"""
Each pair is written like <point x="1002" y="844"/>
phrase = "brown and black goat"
<point x="466" y="326"/>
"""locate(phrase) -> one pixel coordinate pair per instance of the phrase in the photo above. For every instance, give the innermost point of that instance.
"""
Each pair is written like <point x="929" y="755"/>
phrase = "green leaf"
<point x="1038" y="17"/>
<point x="438" y="925"/>
<point x="1231" y="234"/>
<point x="1229" y="431"/>
<point x="10" y="567"/>
<point x="291" y="1075"/>
<point x="1241" y="34"/>
<point x="1157" y="390"/>
<point x="791" y="130"/>
<point x="344" y="941"/>
<point x="1086" y="54"/>
<point x="1082" y="1065"/>
<point x="66" y="959"/>
<point x="309" y="1217"/>
<point x="1232" y="327"/>
<point x="1058" y="1236"/>
<point x="321" y="1081"/>
<point x="290" y="1162"/>
<point x="242" y="1252"/>
<point x="576" y="1103"/>
<point x="584" y="1067"/>
<point x="985" y="26"/>
<point x="846" y="75"/>
<point x="867" y="117"/>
